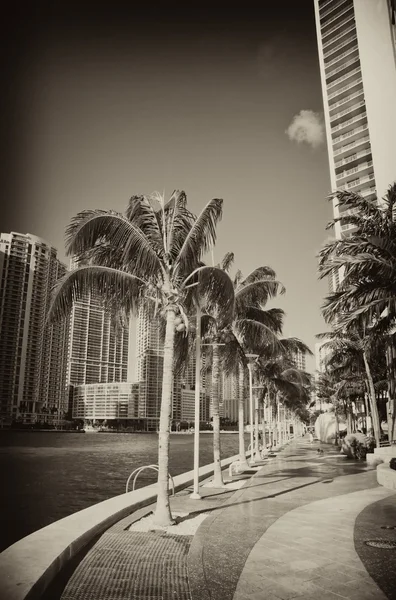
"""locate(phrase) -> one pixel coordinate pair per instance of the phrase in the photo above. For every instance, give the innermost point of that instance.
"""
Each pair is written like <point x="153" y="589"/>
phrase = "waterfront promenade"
<point x="295" y="527"/>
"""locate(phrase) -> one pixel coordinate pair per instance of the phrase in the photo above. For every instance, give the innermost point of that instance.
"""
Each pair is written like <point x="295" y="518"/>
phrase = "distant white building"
<point x="105" y="401"/>
<point x="321" y="352"/>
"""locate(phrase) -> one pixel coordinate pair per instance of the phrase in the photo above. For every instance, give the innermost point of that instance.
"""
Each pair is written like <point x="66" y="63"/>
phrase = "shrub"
<point x="392" y="463"/>
<point x="356" y="445"/>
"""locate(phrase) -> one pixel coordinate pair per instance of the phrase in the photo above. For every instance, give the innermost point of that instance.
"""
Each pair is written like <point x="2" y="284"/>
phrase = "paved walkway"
<point x="296" y="529"/>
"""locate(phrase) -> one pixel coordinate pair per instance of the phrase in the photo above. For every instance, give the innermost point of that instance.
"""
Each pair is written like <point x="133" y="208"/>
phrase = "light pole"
<point x="256" y="424"/>
<point x="252" y="358"/>
<point x="196" y="495"/>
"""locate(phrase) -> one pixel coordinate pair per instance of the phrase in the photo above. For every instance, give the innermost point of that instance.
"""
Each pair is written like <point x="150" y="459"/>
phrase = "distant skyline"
<point x="100" y="106"/>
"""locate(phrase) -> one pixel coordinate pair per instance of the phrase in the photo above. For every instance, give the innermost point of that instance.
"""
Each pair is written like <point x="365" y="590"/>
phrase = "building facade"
<point x="357" y="58"/>
<point x="33" y="354"/>
<point x="105" y="401"/>
<point x="299" y="359"/>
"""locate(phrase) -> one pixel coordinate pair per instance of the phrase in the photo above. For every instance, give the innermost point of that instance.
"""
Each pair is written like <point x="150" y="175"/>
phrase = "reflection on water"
<point x="47" y="476"/>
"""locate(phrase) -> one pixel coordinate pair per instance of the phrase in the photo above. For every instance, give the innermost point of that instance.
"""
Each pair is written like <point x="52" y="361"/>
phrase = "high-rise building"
<point x="230" y="399"/>
<point x="149" y="365"/>
<point x="299" y="359"/>
<point x="32" y="353"/>
<point x="98" y="349"/>
<point x="357" y="57"/>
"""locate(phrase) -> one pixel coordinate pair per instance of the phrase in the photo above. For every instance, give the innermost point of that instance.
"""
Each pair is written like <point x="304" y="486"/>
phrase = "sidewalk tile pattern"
<point x="309" y="552"/>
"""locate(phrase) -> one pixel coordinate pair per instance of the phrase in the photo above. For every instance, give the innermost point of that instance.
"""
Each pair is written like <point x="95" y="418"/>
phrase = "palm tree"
<point x="250" y="328"/>
<point x="253" y="327"/>
<point x="367" y="258"/>
<point x="351" y="354"/>
<point x="281" y="379"/>
<point x="152" y="254"/>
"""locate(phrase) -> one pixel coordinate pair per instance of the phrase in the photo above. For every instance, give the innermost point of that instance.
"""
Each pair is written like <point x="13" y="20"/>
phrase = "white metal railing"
<point x="345" y="100"/>
<point x="340" y="56"/>
<point x="328" y="12"/>
<point x="368" y="191"/>
<point x="339" y="46"/>
<point x="337" y="16"/>
<point x="355" y="156"/>
<point x="356" y="182"/>
<point x="349" y="86"/>
<point x="346" y="111"/>
<point x="356" y="169"/>
<point x="349" y="134"/>
<point x="343" y="77"/>
<point x="341" y="68"/>
<point x="344" y="124"/>
<point x="339" y="36"/>
<point x="139" y="470"/>
<point x="349" y="213"/>
<point x="325" y="34"/>
<point x="351" y="145"/>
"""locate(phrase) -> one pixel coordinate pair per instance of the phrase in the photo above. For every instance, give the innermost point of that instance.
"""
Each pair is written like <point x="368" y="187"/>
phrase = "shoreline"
<point x="118" y="432"/>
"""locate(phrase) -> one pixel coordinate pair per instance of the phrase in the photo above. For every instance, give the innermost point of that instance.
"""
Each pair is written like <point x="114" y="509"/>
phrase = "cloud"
<point x="307" y="127"/>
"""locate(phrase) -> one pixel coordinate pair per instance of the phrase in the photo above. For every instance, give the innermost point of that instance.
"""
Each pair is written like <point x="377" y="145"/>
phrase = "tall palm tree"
<point x="367" y="259"/>
<point x="151" y="254"/>
<point x="251" y="327"/>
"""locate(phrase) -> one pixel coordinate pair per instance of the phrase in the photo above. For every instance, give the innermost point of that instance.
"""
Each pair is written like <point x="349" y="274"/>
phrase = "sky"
<point x="101" y="104"/>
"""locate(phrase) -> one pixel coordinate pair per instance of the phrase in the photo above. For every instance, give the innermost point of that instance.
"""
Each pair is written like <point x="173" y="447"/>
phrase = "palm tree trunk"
<point x="163" y="516"/>
<point x="263" y="426"/>
<point x="256" y="430"/>
<point x="337" y="428"/>
<point x="217" y="475"/>
<point x="275" y="422"/>
<point x="391" y="375"/>
<point x="373" y="402"/>
<point x="241" y="418"/>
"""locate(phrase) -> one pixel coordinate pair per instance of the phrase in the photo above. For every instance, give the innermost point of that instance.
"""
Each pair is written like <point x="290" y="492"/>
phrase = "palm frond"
<point x="109" y="283"/>
<point x="215" y="287"/>
<point x="227" y="262"/>
<point x="257" y="293"/>
<point x="201" y="237"/>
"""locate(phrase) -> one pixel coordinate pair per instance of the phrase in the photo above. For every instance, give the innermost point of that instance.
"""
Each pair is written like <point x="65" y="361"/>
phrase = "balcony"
<point x="335" y="17"/>
<point x="357" y="184"/>
<point x="351" y="108"/>
<point x="364" y="141"/>
<point x="333" y="7"/>
<point x="351" y="73"/>
<point x="347" y="102"/>
<point x="370" y="191"/>
<point x="350" y="29"/>
<point x="350" y="86"/>
<point x="325" y="34"/>
<point x="354" y="158"/>
<point x="344" y="65"/>
<point x="360" y="169"/>
<point x="350" y="134"/>
<point x="349" y="122"/>
<point x="343" y="44"/>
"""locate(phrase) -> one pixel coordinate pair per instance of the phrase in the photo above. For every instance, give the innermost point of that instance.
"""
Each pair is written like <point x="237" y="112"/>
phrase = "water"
<point x="48" y="476"/>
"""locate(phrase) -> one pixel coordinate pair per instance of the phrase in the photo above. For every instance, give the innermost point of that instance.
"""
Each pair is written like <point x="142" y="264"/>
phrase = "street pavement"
<point x="297" y="527"/>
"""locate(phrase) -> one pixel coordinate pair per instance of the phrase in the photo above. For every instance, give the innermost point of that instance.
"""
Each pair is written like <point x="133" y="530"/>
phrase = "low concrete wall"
<point x="381" y="455"/>
<point x="386" y="476"/>
<point x="29" y="566"/>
